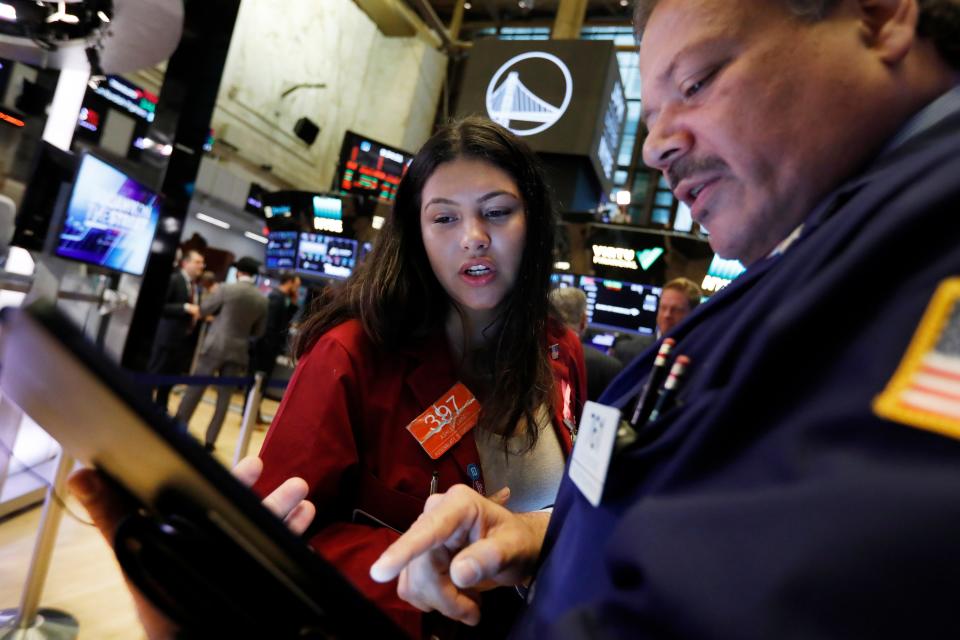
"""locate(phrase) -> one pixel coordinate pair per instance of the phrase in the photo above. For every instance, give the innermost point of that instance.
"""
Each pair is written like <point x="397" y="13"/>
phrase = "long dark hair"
<point x="397" y="298"/>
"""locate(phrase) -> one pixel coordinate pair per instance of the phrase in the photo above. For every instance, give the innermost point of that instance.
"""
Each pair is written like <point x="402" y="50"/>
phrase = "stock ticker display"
<point x="326" y="255"/>
<point x="370" y="167"/>
<point x="281" y="250"/>
<point x="623" y="306"/>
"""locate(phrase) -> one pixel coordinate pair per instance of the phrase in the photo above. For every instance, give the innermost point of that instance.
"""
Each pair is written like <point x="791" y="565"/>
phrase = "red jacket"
<point x="342" y="427"/>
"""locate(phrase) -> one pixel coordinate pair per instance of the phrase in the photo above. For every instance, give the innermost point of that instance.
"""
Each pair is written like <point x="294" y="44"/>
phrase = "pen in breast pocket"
<point x="434" y="482"/>
<point x="669" y="392"/>
<point x="648" y="395"/>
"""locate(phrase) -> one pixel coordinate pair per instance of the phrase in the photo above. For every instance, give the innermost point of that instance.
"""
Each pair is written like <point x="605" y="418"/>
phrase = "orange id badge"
<point x="447" y="420"/>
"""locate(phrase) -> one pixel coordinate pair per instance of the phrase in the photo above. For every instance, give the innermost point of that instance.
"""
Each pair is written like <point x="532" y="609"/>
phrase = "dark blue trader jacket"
<point x="773" y="502"/>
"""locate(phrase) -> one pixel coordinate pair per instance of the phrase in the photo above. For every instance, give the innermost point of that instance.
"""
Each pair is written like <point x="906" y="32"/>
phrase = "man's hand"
<point x="193" y="310"/>
<point x="107" y="509"/>
<point x="460" y="545"/>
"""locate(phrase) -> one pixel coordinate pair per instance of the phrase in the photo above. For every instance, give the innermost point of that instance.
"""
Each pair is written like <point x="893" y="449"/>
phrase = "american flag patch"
<point x="925" y="390"/>
<point x="555" y="351"/>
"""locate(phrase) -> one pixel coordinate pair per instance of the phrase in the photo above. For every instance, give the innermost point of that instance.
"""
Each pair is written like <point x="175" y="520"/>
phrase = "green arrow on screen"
<point x="647" y="257"/>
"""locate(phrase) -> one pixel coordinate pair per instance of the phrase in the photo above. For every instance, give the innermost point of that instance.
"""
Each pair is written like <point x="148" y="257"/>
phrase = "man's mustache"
<point x="687" y="166"/>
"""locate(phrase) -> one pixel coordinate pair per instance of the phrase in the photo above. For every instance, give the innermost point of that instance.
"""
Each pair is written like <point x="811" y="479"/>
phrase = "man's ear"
<point x="889" y="27"/>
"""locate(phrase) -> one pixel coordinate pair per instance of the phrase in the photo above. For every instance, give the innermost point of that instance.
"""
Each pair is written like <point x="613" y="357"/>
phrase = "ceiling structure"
<point x="494" y="12"/>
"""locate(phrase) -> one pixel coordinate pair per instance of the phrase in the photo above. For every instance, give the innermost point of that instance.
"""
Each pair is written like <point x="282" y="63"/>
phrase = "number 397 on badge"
<point x="447" y="420"/>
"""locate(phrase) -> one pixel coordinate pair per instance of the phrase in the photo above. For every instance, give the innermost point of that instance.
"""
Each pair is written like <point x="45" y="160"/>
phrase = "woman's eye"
<point x="443" y="219"/>
<point x="497" y="213"/>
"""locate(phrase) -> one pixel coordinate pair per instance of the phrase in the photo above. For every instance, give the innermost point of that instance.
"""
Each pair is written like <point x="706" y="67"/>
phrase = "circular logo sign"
<point x="510" y="102"/>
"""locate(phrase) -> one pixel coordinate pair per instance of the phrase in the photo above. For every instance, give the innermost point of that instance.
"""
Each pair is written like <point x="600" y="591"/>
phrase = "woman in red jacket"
<point x="437" y="363"/>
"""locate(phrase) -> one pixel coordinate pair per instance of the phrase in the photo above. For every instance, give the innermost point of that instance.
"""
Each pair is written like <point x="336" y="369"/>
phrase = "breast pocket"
<point x="638" y="464"/>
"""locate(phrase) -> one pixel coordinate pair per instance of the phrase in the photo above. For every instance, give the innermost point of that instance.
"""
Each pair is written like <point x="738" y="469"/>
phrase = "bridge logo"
<point x="510" y="102"/>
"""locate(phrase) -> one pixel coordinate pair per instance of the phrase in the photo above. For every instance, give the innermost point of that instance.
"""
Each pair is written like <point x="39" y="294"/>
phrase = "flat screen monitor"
<point x="720" y="273"/>
<point x="327" y="214"/>
<point x="110" y="219"/>
<point x="306" y="211"/>
<point x="254" y="203"/>
<point x="327" y="256"/>
<point x="370" y="167"/>
<point x="621" y="306"/>
<point x="603" y="341"/>
<point x="281" y="250"/>
<point x="561" y="280"/>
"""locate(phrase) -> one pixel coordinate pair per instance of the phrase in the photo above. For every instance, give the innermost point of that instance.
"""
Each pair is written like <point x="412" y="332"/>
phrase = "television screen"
<point x="327" y="214"/>
<point x="720" y="273"/>
<point x="307" y="211"/>
<point x="561" y="280"/>
<point x="110" y="219"/>
<point x="603" y="341"/>
<point x="371" y="167"/>
<point x="326" y="255"/>
<point x="281" y="250"/>
<point x="622" y="306"/>
<point x="254" y="203"/>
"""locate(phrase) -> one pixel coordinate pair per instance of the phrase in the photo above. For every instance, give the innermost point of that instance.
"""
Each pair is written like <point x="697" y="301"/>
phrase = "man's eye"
<point x="696" y="86"/>
<point x="693" y="89"/>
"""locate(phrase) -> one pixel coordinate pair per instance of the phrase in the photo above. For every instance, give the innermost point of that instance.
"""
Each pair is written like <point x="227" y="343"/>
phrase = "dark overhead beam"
<point x="433" y="21"/>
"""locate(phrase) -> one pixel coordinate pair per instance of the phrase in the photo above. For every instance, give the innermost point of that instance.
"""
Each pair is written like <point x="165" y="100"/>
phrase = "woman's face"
<point x="474" y="226"/>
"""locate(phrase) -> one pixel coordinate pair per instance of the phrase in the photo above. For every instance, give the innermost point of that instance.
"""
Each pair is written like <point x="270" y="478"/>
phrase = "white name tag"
<point x="592" y="451"/>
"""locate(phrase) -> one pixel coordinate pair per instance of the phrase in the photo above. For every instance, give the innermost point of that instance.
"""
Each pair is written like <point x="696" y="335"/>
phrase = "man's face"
<point x="753" y="115"/>
<point x="291" y="286"/>
<point x="193" y="265"/>
<point x="673" y="308"/>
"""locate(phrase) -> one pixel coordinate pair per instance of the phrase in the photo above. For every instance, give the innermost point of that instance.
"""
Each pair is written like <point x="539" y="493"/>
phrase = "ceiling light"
<point x="8" y="12"/>
<point x="467" y="6"/>
<point x="61" y="15"/>
<point x="105" y="18"/>
<point x="253" y="236"/>
<point x="217" y="222"/>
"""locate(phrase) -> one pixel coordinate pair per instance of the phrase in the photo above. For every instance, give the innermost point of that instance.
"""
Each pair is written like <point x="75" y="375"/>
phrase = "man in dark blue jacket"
<point x="805" y="481"/>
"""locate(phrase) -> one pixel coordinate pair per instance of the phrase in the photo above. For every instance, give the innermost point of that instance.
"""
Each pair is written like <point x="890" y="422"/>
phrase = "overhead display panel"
<point x="563" y="97"/>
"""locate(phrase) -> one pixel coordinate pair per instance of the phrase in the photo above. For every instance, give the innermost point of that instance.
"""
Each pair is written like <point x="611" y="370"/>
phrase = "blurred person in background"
<point x="179" y="324"/>
<point x="282" y="305"/>
<point x="239" y="313"/>
<point x="571" y="305"/>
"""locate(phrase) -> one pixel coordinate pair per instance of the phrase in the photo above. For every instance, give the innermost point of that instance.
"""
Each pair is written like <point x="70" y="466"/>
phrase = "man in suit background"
<point x="571" y="304"/>
<point x="176" y="332"/>
<point x="678" y="299"/>
<point x="240" y="312"/>
<point x="281" y="308"/>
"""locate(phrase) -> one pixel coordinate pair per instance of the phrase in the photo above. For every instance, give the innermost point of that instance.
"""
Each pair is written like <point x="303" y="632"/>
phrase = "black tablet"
<point x="202" y="548"/>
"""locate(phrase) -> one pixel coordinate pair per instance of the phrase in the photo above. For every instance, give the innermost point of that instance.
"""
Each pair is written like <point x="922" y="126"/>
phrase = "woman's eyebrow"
<point x="494" y="194"/>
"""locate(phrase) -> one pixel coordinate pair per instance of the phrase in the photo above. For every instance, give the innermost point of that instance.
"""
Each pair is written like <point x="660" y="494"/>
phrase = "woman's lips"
<point x="477" y="274"/>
